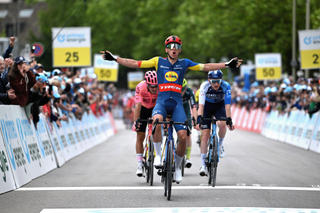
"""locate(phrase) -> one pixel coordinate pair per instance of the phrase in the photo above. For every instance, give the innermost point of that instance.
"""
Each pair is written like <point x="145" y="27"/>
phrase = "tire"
<point x="168" y="171"/>
<point x="214" y="162"/>
<point x="183" y="165"/>
<point x="145" y="162"/>
<point x="209" y="162"/>
<point x="150" y="161"/>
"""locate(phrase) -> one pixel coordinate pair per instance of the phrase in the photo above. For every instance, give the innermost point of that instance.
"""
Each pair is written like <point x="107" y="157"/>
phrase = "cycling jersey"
<point x="207" y="93"/>
<point x="197" y="96"/>
<point x="214" y="101"/>
<point x="170" y="79"/>
<point x="188" y="96"/>
<point x="143" y="96"/>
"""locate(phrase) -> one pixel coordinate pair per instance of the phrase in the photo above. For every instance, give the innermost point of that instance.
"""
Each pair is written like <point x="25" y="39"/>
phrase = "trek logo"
<point x="171" y="76"/>
<point x="3" y="165"/>
<point x="170" y="87"/>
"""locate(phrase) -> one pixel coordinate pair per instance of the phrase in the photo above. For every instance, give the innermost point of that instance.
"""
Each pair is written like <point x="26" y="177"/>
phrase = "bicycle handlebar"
<point x="171" y="122"/>
<point x="214" y="120"/>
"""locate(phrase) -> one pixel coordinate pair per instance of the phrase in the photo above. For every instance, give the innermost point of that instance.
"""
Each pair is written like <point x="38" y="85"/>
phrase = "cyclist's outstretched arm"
<point x="235" y="62"/>
<point x="107" y="55"/>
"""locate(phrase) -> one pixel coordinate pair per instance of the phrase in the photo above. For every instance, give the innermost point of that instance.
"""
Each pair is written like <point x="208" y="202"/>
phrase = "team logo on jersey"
<point x="171" y="76"/>
<point x="170" y="87"/>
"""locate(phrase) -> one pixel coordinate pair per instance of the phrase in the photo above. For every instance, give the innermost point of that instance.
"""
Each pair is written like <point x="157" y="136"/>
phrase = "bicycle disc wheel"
<point x="150" y="161"/>
<point x="214" y="161"/>
<point x="169" y="170"/>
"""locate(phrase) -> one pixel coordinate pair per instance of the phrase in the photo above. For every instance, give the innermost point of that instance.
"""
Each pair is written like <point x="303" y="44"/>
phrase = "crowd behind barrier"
<point x="48" y="117"/>
<point x="27" y="153"/>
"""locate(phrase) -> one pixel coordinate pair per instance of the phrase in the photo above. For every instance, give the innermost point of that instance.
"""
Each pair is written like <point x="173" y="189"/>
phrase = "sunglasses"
<point x="173" y="45"/>
<point x="152" y="86"/>
<point x="213" y="81"/>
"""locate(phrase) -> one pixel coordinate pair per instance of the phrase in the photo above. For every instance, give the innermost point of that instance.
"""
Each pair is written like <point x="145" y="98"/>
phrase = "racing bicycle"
<point x="212" y="158"/>
<point x="168" y="155"/>
<point x="148" y="153"/>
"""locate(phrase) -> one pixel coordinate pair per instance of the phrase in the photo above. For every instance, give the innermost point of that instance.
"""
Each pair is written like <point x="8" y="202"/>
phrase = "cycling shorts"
<point x="145" y="114"/>
<point x="173" y="108"/>
<point x="216" y="109"/>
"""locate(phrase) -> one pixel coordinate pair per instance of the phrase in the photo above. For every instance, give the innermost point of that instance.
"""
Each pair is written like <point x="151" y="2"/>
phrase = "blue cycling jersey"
<point x="207" y="93"/>
<point x="170" y="78"/>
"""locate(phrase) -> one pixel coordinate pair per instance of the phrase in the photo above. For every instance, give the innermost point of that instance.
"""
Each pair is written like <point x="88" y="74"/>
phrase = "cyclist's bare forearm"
<point x="137" y="111"/>
<point x="228" y="110"/>
<point x="213" y="66"/>
<point x="200" y="109"/>
<point x="128" y="62"/>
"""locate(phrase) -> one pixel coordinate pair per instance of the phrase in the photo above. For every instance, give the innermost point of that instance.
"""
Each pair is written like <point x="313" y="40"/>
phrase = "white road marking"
<point x="185" y="210"/>
<point x="161" y="188"/>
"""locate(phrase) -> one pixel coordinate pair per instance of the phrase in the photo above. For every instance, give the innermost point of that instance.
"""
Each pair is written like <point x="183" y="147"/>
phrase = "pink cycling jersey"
<point x="144" y="97"/>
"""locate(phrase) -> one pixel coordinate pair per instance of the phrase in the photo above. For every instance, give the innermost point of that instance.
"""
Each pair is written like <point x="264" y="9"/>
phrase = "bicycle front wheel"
<point x="209" y="162"/>
<point x="150" y="161"/>
<point x="214" y="161"/>
<point x="168" y="170"/>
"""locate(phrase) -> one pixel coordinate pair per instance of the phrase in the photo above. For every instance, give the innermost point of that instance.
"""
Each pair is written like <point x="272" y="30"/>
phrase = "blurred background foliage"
<point x="209" y="29"/>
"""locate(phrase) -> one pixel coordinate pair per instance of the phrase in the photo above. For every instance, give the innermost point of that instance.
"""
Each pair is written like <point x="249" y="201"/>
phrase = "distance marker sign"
<point x="105" y="70"/>
<point x="268" y="66"/>
<point x="309" y="43"/>
<point x="71" y="47"/>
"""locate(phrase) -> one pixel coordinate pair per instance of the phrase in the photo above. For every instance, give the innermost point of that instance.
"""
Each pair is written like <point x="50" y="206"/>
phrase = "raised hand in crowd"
<point x="12" y="40"/>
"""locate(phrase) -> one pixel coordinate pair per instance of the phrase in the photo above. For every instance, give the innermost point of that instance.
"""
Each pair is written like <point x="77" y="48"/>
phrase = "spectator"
<point x="5" y="94"/>
<point x="39" y="68"/>
<point x="10" y="47"/>
<point x="21" y="80"/>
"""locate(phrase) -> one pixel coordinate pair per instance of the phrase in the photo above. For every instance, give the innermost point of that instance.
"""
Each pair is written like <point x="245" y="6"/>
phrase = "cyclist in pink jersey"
<point x="145" y="99"/>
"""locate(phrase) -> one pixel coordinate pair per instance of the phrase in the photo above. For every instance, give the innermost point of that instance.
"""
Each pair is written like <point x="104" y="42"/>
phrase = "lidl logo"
<point x="171" y="76"/>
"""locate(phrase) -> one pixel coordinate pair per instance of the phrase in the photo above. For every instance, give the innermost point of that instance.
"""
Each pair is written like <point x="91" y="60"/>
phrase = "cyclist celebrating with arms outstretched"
<point x="145" y="99"/>
<point x="214" y="99"/>
<point x="170" y="73"/>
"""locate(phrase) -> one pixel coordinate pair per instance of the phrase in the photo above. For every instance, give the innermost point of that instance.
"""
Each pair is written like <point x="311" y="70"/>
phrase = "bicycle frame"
<point x="213" y="134"/>
<point x="170" y="138"/>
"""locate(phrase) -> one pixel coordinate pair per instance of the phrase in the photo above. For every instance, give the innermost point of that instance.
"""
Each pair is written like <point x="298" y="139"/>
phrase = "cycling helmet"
<point x="151" y="77"/>
<point x="216" y="74"/>
<point x="184" y="82"/>
<point x="172" y="39"/>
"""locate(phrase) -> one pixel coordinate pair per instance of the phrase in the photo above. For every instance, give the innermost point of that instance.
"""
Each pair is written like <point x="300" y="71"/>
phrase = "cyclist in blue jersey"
<point x="214" y="99"/>
<point x="170" y="73"/>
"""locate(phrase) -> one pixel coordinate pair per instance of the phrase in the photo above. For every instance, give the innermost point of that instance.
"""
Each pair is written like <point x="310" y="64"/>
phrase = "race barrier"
<point x="27" y="152"/>
<point x="295" y="128"/>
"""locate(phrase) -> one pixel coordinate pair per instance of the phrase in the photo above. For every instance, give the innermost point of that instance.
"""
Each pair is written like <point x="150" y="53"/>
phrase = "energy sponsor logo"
<point x="171" y="76"/>
<point x="72" y="37"/>
<point x="269" y="60"/>
<point x="311" y="40"/>
<point x="170" y="87"/>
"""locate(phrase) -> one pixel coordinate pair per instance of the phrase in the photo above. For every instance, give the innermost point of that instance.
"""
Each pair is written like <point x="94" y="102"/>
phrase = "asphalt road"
<point x="257" y="173"/>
